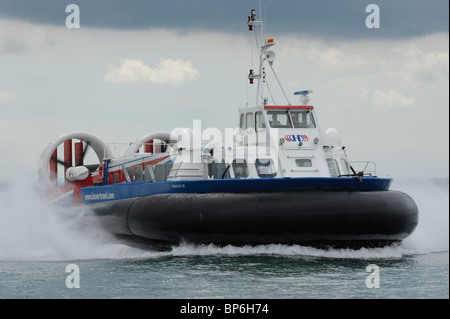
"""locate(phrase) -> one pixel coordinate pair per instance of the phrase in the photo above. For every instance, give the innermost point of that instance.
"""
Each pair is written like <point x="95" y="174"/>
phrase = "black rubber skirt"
<point x="306" y="217"/>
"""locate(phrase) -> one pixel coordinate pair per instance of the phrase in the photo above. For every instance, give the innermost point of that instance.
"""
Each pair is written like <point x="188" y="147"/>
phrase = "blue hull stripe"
<point x="95" y="194"/>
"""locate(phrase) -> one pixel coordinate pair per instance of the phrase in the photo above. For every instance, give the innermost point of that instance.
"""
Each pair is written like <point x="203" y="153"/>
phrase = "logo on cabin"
<point x="296" y="138"/>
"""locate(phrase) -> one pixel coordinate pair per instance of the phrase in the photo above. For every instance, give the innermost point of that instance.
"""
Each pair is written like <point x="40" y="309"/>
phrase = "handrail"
<point x="365" y="166"/>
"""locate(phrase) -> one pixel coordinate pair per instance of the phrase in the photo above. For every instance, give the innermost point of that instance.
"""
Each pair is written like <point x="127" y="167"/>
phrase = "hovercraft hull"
<point x="318" y="218"/>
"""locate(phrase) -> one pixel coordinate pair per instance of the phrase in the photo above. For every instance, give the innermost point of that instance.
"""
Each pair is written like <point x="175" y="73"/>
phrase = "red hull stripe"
<point x="303" y="107"/>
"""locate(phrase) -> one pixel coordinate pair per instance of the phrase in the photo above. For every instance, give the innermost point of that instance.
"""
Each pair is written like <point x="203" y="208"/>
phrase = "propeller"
<point x="80" y="161"/>
<point x="91" y="168"/>
<point x="57" y="160"/>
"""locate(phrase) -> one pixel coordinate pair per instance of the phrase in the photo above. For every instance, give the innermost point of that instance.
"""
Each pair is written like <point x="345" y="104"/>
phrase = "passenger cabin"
<point x="292" y="141"/>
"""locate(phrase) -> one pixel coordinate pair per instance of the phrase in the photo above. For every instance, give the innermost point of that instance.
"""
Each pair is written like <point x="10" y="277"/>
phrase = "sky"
<point x="135" y="67"/>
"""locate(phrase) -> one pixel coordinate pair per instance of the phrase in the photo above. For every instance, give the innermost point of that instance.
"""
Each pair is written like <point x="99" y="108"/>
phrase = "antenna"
<point x="265" y="20"/>
<point x="264" y="55"/>
<point x="260" y="10"/>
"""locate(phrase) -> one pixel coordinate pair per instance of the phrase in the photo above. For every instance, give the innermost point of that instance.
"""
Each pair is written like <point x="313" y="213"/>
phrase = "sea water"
<point x="44" y="256"/>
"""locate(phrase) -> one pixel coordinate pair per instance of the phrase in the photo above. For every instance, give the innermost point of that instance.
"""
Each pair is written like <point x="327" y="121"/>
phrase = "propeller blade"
<point x="85" y="149"/>
<point x="60" y="162"/>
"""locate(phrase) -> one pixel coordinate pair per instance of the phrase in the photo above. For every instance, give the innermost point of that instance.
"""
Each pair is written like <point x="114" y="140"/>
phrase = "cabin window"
<point x="337" y="168"/>
<point x="279" y="119"/>
<point x="240" y="168"/>
<point x="303" y="162"/>
<point x="217" y="170"/>
<point x="303" y="119"/>
<point x="149" y="174"/>
<point x="130" y="171"/>
<point x="265" y="168"/>
<point x="260" y="125"/>
<point x="332" y="166"/>
<point x="213" y="170"/>
<point x="242" y="122"/>
<point x="250" y="120"/>
<point x="167" y="169"/>
<point x="332" y="163"/>
<point x="138" y="174"/>
<point x="159" y="172"/>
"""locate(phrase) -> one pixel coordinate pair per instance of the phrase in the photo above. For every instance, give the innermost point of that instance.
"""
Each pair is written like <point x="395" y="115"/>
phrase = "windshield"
<point x="279" y="119"/>
<point x="291" y="119"/>
<point x="302" y="119"/>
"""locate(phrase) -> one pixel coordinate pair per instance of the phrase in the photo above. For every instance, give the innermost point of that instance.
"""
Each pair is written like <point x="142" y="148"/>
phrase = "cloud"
<point x="16" y="36"/>
<point x="383" y="101"/>
<point x="167" y="71"/>
<point x="426" y="65"/>
<point x="335" y="57"/>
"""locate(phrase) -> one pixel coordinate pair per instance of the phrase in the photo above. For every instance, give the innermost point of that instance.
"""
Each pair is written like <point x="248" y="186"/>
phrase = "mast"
<point x="264" y="55"/>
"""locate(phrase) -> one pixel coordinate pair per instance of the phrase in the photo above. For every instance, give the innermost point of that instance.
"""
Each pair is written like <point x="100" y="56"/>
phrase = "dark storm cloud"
<point x="323" y="18"/>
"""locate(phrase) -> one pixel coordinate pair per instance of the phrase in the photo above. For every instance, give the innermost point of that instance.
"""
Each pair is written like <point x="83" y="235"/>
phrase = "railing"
<point x="118" y="149"/>
<point x="368" y="168"/>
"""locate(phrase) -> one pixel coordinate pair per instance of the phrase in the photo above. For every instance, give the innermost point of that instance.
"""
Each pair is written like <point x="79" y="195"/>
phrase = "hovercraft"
<point x="277" y="179"/>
